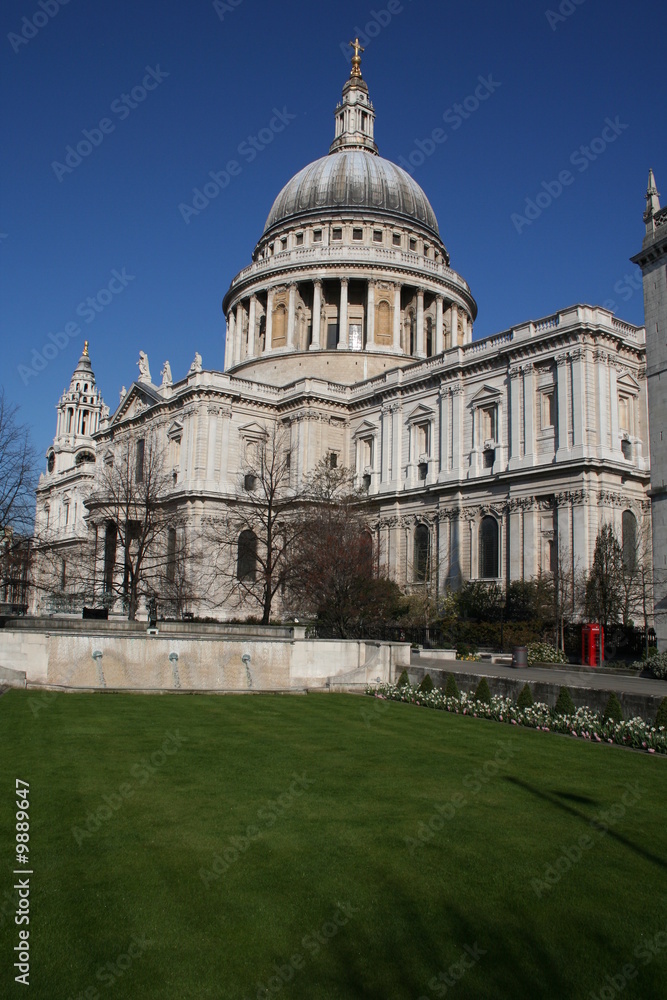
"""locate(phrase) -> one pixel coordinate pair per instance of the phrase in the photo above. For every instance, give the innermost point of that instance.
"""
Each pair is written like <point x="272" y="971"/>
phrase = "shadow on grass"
<point x="554" y="799"/>
<point x="407" y="955"/>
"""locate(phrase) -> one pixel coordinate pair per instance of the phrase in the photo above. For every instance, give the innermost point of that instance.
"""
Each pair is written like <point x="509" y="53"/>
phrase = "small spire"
<point x="652" y="198"/>
<point x="85" y="348"/>
<point x="355" y="115"/>
<point x="356" y="59"/>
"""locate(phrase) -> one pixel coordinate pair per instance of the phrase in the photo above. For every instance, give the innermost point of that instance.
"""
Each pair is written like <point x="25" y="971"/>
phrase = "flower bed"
<point x="584" y="724"/>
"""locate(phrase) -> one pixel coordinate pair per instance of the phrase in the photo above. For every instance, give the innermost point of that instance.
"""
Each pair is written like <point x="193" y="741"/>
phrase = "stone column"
<point x="238" y="344"/>
<point x="578" y="399"/>
<point x="454" y="320"/>
<point x="529" y="412"/>
<point x="515" y="415"/>
<point x="268" y="335"/>
<point x="212" y="441"/>
<point x="370" y="315"/>
<point x="444" y="397"/>
<point x="515" y="542"/>
<point x="342" y="316"/>
<point x="439" y="324"/>
<point x="613" y="408"/>
<point x="386" y="445"/>
<point x="252" y="322"/>
<point x="601" y="361"/>
<point x="396" y="437"/>
<point x="419" y="347"/>
<point x="317" y="314"/>
<point x="291" y="316"/>
<point x="562" y="410"/>
<point x="397" y="317"/>
<point x="457" y="425"/>
<point x="231" y="337"/>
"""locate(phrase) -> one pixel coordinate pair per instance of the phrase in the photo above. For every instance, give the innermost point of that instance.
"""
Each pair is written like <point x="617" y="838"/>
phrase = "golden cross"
<point x="357" y="48"/>
<point x="85" y="348"/>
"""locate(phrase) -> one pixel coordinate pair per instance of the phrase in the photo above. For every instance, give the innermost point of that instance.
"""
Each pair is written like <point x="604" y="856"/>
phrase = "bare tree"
<point x="333" y="573"/>
<point x="636" y="577"/>
<point x="131" y="498"/>
<point x="18" y="473"/>
<point x="254" y="540"/>
<point x="604" y="589"/>
<point x="564" y="592"/>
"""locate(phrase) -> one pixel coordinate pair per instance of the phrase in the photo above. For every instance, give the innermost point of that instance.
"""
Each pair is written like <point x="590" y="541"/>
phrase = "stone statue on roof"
<point x="144" y="370"/>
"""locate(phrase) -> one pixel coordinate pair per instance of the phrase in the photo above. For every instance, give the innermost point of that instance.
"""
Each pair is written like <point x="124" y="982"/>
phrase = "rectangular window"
<point x="377" y="236"/>
<point x="333" y="460"/>
<point x="355" y="340"/>
<point x="548" y="408"/>
<point x="413" y="245"/>
<point x="336" y="233"/>
<point x="366" y="452"/>
<point x="423" y="439"/>
<point x="317" y="236"/>
<point x="139" y="467"/>
<point x="283" y="243"/>
<point x="171" y="555"/>
<point x="357" y="235"/>
<point x="299" y="239"/>
<point x="624" y="413"/>
<point x="488" y="417"/>
<point x="396" y="239"/>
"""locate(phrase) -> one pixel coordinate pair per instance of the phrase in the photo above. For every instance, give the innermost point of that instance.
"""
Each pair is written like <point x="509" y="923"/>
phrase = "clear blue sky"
<point x="218" y="72"/>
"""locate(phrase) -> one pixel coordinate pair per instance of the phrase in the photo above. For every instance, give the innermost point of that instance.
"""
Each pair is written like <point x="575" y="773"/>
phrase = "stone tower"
<point x="652" y="259"/>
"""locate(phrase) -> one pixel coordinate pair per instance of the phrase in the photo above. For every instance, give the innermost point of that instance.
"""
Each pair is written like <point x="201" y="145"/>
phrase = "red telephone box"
<point x="592" y="645"/>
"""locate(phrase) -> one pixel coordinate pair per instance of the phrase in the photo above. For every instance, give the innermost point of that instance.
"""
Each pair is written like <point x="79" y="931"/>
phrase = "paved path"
<point x="570" y="676"/>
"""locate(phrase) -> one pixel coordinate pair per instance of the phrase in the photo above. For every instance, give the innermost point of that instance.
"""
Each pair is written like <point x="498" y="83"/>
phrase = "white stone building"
<point x="652" y="259"/>
<point x="350" y="330"/>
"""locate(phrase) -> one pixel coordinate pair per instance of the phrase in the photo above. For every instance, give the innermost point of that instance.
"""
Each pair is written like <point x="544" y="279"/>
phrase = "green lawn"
<point x="311" y="809"/>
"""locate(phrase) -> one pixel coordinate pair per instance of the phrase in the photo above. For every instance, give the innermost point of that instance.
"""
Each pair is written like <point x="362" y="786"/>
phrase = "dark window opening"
<point x="489" y="457"/>
<point x="246" y="566"/>
<point x="488" y="548"/>
<point x="249" y="482"/>
<point x="423" y="470"/>
<point x="110" y="540"/>
<point x="629" y="540"/>
<point x="139" y="469"/>
<point x="171" y="555"/>
<point x="421" y="553"/>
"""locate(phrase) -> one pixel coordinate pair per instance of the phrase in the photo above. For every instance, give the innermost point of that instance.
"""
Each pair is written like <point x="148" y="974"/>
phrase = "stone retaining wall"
<point x="113" y="659"/>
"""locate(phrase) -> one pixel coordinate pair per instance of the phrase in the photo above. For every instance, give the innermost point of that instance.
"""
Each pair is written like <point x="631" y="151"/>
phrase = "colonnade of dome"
<point x="350" y="262"/>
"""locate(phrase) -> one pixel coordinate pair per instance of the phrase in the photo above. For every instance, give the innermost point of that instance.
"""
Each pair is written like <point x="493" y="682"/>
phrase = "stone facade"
<point x="350" y="331"/>
<point x="653" y="261"/>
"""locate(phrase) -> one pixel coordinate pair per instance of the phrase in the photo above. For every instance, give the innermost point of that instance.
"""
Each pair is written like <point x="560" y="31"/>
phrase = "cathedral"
<point x="351" y="333"/>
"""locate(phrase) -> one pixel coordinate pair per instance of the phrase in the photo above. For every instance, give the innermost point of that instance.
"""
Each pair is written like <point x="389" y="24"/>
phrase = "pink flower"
<point x="514" y="722"/>
<point x="651" y="749"/>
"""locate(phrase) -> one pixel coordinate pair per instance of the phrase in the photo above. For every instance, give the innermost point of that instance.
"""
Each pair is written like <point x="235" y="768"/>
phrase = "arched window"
<point x="279" y="333"/>
<point x="429" y="337"/>
<point x="629" y="533"/>
<point x="488" y="549"/>
<point x="383" y="332"/>
<point x="246" y="565"/>
<point x="421" y="554"/>
<point x="366" y="554"/>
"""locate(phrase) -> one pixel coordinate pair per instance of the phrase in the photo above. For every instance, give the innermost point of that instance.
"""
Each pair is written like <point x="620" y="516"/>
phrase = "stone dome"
<point x="353" y="179"/>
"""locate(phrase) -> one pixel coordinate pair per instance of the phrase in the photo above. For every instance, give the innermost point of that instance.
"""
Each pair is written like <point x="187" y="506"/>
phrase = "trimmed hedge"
<point x="613" y="709"/>
<point x="525" y="699"/>
<point x="452" y="688"/>
<point x="564" y="705"/>
<point x="482" y="692"/>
